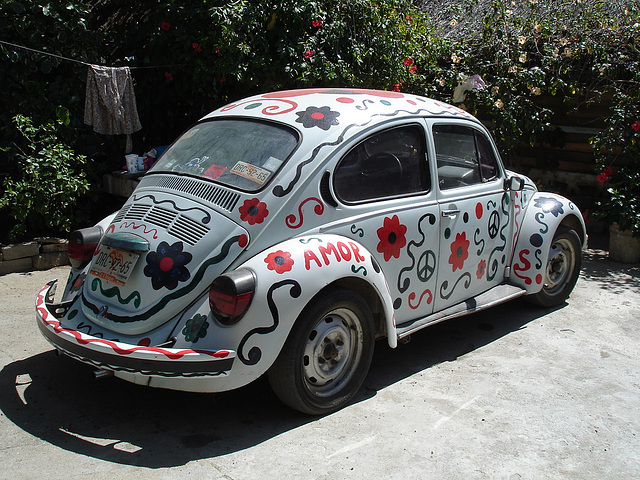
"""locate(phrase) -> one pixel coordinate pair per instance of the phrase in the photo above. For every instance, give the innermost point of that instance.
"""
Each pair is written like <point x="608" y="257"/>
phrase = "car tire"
<point x="327" y="354"/>
<point x="562" y="269"/>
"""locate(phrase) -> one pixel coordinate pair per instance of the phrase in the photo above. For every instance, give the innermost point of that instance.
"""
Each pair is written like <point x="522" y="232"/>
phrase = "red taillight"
<point x="82" y="245"/>
<point x="230" y="295"/>
<point x="229" y="305"/>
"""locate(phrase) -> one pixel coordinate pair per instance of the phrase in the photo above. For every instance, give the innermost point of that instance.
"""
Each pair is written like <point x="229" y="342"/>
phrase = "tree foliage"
<point x="496" y="58"/>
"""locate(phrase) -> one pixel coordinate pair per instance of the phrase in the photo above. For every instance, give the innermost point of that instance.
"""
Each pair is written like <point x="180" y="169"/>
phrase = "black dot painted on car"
<point x="465" y="217"/>
<point x="397" y="303"/>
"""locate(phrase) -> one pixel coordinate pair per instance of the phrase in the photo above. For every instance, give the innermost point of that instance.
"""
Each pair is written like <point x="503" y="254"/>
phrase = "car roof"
<point x="322" y="110"/>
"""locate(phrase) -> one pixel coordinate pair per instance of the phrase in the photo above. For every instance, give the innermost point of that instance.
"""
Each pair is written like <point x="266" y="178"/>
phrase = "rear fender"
<point x="544" y="214"/>
<point x="288" y="276"/>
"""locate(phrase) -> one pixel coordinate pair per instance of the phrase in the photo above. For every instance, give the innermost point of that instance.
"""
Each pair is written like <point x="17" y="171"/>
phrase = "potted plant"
<point x="617" y="151"/>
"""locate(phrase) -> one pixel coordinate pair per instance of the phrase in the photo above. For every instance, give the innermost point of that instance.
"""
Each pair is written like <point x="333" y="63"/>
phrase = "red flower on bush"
<point x="392" y="238"/>
<point x="316" y="23"/>
<point x="196" y="47"/>
<point x="308" y="53"/>
<point x="168" y="76"/>
<point x="408" y="61"/>
<point x="165" y="26"/>
<point x="459" y="251"/>
<point x="413" y="69"/>
<point x="636" y="126"/>
<point x="217" y="51"/>
<point x="253" y="211"/>
<point x="279" y="261"/>
<point x="605" y="175"/>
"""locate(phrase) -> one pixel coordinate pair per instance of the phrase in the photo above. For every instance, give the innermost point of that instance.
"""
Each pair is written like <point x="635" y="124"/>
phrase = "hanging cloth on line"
<point x="110" y="104"/>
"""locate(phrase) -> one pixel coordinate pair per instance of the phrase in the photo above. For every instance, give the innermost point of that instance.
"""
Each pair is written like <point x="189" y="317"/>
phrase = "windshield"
<point x="240" y="153"/>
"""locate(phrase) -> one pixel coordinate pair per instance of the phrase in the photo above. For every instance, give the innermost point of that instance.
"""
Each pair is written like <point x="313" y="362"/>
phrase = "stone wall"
<point x="39" y="254"/>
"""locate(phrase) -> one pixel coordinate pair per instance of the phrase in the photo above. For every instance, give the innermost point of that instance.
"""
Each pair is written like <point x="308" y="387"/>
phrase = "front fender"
<point x="544" y="214"/>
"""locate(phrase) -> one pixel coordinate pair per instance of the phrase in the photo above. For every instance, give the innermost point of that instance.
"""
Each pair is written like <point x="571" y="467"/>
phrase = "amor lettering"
<point x="340" y="251"/>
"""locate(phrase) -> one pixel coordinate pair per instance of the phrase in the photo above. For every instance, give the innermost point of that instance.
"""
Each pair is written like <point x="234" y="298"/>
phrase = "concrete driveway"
<point x="510" y="393"/>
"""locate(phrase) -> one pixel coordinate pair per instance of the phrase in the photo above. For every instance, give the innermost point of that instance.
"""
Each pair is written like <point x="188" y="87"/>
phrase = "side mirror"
<point x="515" y="184"/>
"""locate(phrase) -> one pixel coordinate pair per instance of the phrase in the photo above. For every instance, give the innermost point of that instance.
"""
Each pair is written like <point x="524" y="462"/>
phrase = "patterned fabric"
<point x="110" y="105"/>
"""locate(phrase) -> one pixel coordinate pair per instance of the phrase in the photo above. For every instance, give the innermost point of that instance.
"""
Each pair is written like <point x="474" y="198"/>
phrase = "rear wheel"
<point x="562" y="269"/>
<point x="327" y="355"/>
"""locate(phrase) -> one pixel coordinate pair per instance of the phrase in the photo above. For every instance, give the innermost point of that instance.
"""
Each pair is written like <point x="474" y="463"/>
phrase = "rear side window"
<point x="464" y="156"/>
<point x="388" y="164"/>
<point x="239" y="153"/>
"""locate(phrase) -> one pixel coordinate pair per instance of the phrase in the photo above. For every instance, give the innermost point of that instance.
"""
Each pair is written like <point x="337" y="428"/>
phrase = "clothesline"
<point x="40" y="52"/>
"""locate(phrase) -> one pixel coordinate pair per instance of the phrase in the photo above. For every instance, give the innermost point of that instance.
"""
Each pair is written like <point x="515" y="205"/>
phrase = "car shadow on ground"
<point x="57" y="400"/>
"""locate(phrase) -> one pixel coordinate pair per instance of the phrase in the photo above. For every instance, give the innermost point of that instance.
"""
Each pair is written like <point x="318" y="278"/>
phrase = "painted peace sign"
<point x="494" y="224"/>
<point x="426" y="266"/>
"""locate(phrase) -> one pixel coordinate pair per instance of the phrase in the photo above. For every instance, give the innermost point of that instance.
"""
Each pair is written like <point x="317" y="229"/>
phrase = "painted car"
<point x="285" y="233"/>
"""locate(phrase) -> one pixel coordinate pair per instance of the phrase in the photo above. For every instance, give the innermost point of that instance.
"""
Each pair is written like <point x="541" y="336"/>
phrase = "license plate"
<point x="114" y="265"/>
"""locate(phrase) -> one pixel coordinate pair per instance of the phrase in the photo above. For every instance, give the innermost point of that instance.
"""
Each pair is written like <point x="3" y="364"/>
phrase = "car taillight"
<point x="82" y="245"/>
<point x="230" y="295"/>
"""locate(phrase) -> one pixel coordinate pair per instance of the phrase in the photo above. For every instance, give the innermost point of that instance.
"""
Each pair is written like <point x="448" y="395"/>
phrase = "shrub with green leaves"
<point x="50" y="181"/>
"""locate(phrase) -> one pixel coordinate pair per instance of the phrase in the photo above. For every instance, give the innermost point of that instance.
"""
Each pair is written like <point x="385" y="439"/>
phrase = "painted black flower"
<point x="549" y="205"/>
<point x="195" y="328"/>
<point x="321" y="117"/>
<point x="166" y="266"/>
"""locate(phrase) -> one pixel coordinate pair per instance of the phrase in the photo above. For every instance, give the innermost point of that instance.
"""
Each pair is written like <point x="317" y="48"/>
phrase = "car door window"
<point x="464" y="156"/>
<point x="388" y="164"/>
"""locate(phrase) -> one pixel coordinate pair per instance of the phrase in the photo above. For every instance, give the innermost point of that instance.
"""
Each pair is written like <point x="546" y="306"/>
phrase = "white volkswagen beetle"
<point x="284" y="233"/>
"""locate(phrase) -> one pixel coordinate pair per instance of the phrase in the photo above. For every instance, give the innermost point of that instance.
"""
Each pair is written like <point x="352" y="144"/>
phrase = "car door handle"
<point x="450" y="213"/>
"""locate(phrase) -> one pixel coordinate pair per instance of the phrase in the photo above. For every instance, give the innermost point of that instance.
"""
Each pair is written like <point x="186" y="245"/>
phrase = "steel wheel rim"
<point x="562" y="259"/>
<point x="332" y="352"/>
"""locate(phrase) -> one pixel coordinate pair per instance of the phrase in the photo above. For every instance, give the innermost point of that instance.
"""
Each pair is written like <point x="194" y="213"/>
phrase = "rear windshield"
<point x="244" y="154"/>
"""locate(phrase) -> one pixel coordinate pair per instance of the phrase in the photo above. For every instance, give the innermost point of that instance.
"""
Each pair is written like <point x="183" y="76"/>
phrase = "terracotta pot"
<point x="623" y="247"/>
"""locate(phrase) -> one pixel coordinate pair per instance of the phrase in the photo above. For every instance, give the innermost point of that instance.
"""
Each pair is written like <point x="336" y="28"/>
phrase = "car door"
<point x="473" y="212"/>
<point x="387" y="193"/>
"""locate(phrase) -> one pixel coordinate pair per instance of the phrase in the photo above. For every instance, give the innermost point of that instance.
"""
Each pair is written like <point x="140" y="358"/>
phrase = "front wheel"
<point x="327" y="354"/>
<point x="562" y="269"/>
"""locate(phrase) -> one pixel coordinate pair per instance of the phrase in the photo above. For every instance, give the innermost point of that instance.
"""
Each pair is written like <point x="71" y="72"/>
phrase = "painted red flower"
<point x="636" y="126"/>
<point x="279" y="261"/>
<point x="392" y="238"/>
<point x="165" y="26"/>
<point x="482" y="268"/>
<point x="308" y="53"/>
<point x="408" y="61"/>
<point x="459" y="251"/>
<point x="253" y="211"/>
<point x="316" y="23"/>
<point x="168" y="76"/>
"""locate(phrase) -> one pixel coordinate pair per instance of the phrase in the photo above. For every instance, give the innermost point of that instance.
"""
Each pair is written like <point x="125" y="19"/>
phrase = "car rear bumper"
<point x="122" y="357"/>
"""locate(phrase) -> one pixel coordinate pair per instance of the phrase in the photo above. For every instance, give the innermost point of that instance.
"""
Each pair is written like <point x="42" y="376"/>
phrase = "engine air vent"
<point x="219" y="196"/>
